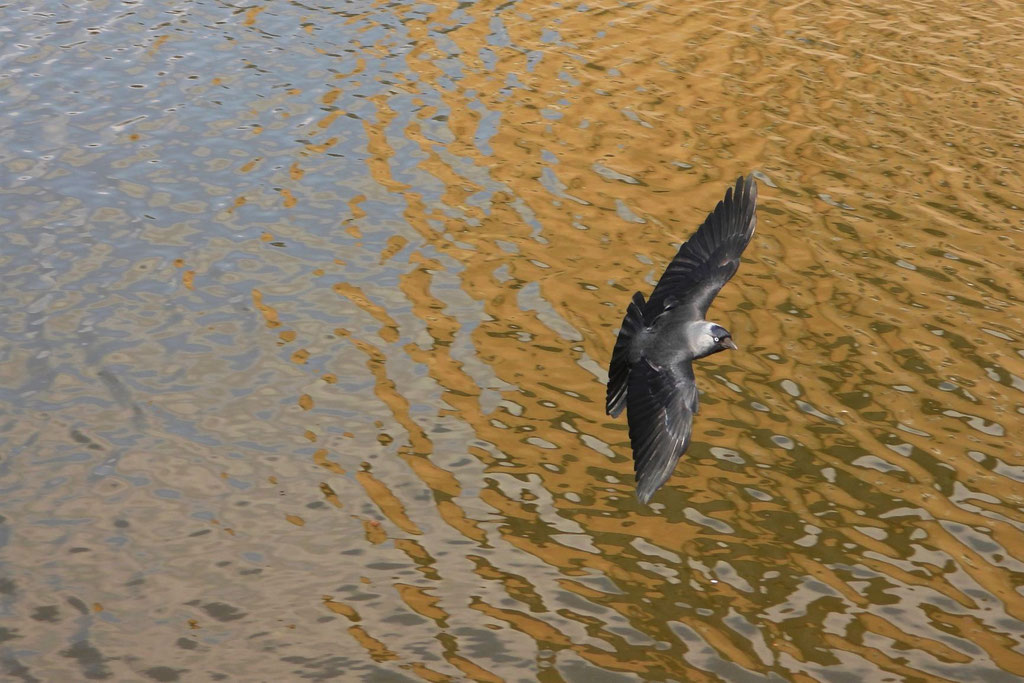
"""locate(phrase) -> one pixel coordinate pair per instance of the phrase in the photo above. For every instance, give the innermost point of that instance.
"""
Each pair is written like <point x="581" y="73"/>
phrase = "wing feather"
<point x="618" y="370"/>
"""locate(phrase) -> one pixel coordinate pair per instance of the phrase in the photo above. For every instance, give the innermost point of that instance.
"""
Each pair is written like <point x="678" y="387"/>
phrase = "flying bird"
<point x="651" y="372"/>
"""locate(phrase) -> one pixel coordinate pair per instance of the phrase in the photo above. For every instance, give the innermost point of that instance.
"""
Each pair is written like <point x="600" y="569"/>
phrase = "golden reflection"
<point x="448" y="206"/>
<point x="388" y="503"/>
<point x="376" y="648"/>
<point x="592" y="154"/>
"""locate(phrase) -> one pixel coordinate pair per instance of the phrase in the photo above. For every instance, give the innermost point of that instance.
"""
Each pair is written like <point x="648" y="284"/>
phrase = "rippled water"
<point x="305" y="311"/>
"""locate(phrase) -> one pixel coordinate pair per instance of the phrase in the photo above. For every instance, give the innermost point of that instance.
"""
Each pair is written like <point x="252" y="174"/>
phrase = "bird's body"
<point x="651" y="374"/>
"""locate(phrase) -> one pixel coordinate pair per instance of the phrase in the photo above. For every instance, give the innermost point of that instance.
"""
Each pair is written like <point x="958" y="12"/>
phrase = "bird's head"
<point x="715" y="338"/>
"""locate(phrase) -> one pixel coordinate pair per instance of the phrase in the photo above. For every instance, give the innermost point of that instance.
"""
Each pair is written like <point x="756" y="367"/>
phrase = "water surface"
<point x="305" y="311"/>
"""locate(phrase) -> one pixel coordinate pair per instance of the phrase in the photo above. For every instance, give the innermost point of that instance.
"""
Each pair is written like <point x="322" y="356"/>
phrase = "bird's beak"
<point x="730" y="344"/>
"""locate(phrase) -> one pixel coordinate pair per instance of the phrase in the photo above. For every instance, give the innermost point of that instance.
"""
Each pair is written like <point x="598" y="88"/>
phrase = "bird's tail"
<point x="618" y="371"/>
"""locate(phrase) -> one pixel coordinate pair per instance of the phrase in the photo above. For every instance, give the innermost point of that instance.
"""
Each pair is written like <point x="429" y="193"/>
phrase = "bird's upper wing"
<point x="710" y="257"/>
<point x="660" y="403"/>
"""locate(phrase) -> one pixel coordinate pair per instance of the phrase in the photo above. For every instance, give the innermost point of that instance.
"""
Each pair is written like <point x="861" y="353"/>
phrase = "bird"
<point x="651" y="370"/>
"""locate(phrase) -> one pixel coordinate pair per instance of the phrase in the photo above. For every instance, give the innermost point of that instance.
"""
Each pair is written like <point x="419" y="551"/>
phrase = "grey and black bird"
<point x="651" y="372"/>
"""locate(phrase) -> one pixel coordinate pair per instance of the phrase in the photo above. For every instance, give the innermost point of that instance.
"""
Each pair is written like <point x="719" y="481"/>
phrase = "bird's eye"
<point x="716" y="340"/>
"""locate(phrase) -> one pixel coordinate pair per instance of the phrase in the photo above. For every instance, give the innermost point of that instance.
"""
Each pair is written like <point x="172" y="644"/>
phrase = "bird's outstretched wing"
<point x="709" y="258"/>
<point x="618" y="370"/>
<point x="661" y="403"/>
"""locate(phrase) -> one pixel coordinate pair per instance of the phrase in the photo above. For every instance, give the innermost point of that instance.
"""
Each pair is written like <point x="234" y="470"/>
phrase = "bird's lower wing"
<point x="660" y="406"/>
